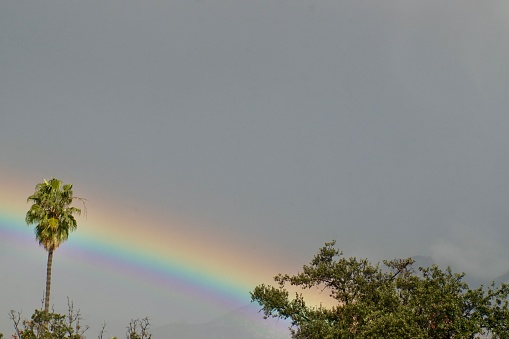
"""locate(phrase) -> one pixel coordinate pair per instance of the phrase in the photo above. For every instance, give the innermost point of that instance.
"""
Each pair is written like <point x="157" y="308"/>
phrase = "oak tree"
<point x="390" y="301"/>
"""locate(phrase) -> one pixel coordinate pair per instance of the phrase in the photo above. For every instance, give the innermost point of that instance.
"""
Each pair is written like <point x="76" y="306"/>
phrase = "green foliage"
<point x="394" y="302"/>
<point x="45" y="325"/>
<point x="52" y="213"/>
<point x="54" y="219"/>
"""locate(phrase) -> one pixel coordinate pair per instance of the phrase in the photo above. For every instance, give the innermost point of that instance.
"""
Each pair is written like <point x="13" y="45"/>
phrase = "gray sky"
<point x="278" y="125"/>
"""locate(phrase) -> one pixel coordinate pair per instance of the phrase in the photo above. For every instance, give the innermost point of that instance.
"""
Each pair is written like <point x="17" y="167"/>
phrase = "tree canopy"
<point x="50" y="325"/>
<point x="392" y="301"/>
<point x="52" y="213"/>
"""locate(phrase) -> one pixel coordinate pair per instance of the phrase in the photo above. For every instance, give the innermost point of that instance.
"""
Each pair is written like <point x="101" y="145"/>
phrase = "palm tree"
<point x="52" y="213"/>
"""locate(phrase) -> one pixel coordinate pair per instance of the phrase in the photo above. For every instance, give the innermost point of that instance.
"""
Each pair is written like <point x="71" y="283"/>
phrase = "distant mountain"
<point x="422" y="261"/>
<point x="245" y="323"/>
<point x="502" y="279"/>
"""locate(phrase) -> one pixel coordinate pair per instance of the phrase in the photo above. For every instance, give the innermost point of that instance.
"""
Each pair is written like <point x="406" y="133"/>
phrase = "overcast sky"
<point x="278" y="125"/>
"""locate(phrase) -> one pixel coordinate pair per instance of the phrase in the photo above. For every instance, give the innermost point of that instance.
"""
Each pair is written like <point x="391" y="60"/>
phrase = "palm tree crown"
<point x="52" y="213"/>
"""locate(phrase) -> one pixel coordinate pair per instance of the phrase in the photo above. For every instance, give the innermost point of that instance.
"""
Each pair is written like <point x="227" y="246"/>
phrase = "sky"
<point x="219" y="143"/>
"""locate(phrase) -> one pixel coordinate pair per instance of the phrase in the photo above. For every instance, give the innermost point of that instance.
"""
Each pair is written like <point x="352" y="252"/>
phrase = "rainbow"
<point x="162" y="256"/>
<point x="159" y="263"/>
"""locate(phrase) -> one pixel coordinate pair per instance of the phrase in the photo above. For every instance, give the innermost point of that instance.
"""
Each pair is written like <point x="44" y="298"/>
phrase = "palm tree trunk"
<point x="48" y="280"/>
